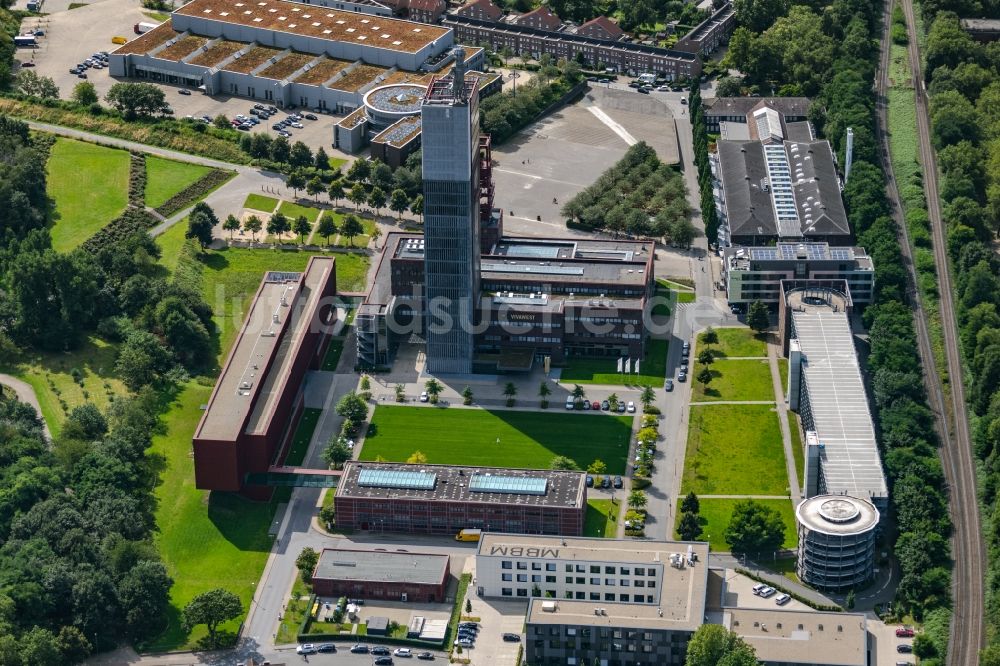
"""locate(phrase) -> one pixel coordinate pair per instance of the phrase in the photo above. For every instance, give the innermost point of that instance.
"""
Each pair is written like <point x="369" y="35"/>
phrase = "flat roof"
<point x="741" y="106"/>
<point x="286" y="66"/>
<point x="588" y="549"/>
<point x="322" y="71"/>
<point x="400" y="132"/>
<point x="182" y="47"/>
<point x="319" y="22"/>
<point x="216" y="53"/>
<point x="837" y="515"/>
<point x="452" y="483"/>
<point x="750" y="258"/>
<point x="785" y="636"/>
<point x="849" y="458"/>
<point x="357" y="77"/>
<point x="149" y="40"/>
<point x="252" y="59"/>
<point x="243" y="395"/>
<point x="381" y="566"/>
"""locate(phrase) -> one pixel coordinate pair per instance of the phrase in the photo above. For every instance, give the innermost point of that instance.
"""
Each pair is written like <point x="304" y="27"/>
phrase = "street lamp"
<point x="513" y="76"/>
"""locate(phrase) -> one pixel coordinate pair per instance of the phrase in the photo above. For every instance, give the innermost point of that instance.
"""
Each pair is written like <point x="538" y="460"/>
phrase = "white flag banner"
<point x="620" y="359"/>
<point x="628" y="365"/>
<point x="636" y="366"/>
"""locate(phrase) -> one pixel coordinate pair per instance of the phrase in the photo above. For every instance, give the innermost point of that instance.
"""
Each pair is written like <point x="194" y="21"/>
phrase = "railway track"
<point x="967" y="627"/>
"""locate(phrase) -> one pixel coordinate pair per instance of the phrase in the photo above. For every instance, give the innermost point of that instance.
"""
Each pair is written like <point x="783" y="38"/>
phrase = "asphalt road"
<point x="967" y="627"/>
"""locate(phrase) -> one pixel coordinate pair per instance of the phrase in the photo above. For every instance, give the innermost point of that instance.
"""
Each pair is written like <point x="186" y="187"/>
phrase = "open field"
<point x="207" y="540"/>
<point x="716" y="513"/>
<point x="734" y="380"/>
<point x="734" y="450"/>
<point x="601" y="519"/>
<point x="735" y="342"/>
<point x="89" y="185"/>
<point x="165" y="178"/>
<point x="469" y="437"/>
<point x="602" y="370"/>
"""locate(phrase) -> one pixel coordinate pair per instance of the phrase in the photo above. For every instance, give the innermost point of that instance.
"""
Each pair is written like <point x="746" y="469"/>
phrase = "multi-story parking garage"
<point x="836" y="541"/>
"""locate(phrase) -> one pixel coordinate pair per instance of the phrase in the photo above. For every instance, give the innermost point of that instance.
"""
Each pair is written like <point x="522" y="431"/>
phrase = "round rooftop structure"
<point x="386" y="105"/>
<point x="836" y="541"/>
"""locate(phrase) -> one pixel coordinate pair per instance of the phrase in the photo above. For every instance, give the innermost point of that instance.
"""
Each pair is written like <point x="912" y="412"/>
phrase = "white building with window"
<point x="581" y="569"/>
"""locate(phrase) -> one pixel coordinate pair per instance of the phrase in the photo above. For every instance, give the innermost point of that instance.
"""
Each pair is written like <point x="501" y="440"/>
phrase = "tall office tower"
<point x="451" y="156"/>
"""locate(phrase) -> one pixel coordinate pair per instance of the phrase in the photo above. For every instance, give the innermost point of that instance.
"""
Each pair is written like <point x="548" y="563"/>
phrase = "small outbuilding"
<point x="381" y="574"/>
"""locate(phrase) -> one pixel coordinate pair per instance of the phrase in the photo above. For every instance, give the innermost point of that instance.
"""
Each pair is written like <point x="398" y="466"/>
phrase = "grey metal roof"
<point x="849" y="460"/>
<point x="740" y="106"/>
<point x="381" y="566"/>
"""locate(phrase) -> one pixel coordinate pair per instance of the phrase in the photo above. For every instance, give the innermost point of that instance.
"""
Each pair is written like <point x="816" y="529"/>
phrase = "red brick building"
<point x="484" y="10"/>
<point x="386" y="575"/>
<point x="425" y="11"/>
<point x="444" y="499"/>
<point x="541" y="18"/>
<point x="601" y="28"/>
<point x="257" y="399"/>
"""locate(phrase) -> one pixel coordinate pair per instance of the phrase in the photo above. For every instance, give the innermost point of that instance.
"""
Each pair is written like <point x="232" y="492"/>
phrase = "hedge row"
<point x="137" y="180"/>
<point x="191" y="194"/>
<point x="133" y="220"/>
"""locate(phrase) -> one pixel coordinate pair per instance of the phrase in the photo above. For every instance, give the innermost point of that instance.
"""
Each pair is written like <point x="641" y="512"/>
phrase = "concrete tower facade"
<point x="450" y="120"/>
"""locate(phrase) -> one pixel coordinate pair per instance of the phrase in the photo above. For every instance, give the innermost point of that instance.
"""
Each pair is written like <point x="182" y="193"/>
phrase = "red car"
<point x="904" y="632"/>
<point x="596" y="405"/>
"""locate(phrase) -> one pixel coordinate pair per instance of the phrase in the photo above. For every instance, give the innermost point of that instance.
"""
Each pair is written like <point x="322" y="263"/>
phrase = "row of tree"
<point x="502" y="115"/>
<point x="639" y="196"/>
<point x="699" y="134"/>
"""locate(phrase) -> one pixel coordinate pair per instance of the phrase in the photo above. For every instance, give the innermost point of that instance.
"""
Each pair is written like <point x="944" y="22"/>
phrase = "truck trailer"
<point x="143" y="27"/>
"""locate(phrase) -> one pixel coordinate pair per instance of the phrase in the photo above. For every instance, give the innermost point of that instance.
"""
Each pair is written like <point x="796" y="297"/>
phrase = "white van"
<point x="570" y="403"/>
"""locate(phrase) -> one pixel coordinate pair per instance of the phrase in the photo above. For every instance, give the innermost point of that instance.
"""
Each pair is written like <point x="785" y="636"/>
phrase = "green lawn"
<point x="601" y="519"/>
<point x="734" y="380"/>
<point x="261" y="203"/>
<point x="469" y="437"/>
<point x="230" y="277"/>
<point x="303" y="435"/>
<point x="170" y="243"/>
<point x="333" y="353"/>
<point x="685" y="296"/>
<point x="734" y="450"/>
<point x="89" y="185"/>
<point x="715" y="515"/>
<point x="735" y="342"/>
<point x="207" y="540"/>
<point x="603" y="370"/>
<point x="797" y="451"/>
<point x="50" y="374"/>
<point x="293" y="210"/>
<point x="165" y="178"/>
<point x="783" y="371"/>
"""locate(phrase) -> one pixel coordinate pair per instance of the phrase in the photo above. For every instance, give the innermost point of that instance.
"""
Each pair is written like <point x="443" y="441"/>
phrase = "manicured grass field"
<point x="603" y="370"/>
<point x="601" y="519"/>
<point x="734" y="450"/>
<point x="261" y="203"/>
<point x="735" y="342"/>
<point x="685" y="296"/>
<point x="207" y="540"/>
<point x="293" y="210"/>
<point x="797" y="451"/>
<point x="50" y="376"/>
<point x="783" y="371"/>
<point x="716" y="513"/>
<point x="734" y="380"/>
<point x="302" y="437"/>
<point x="165" y="178"/>
<point x="469" y="437"/>
<point x="89" y="185"/>
<point x="170" y="242"/>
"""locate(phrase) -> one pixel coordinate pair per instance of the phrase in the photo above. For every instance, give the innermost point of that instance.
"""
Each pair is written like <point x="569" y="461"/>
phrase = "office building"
<point x="836" y="541"/>
<point x="387" y="575"/>
<point x="450" y="121"/>
<point x="757" y="273"/>
<point x="251" y="415"/>
<point x="802" y="638"/>
<point x="778" y="183"/>
<point x="444" y="499"/>
<point x="734" y="110"/>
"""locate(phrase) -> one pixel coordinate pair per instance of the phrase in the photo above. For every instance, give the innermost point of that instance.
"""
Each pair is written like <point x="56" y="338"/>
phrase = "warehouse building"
<point x="756" y="273"/>
<point x="836" y="541"/>
<point x="287" y="53"/>
<point x="375" y="574"/>
<point x="777" y="183"/>
<point x="734" y="110"/>
<point x="257" y="398"/>
<point x="802" y="638"/>
<point x="445" y="499"/>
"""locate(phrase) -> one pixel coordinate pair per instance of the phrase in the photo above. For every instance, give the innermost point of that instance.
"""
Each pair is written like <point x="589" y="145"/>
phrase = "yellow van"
<point x="119" y="40"/>
<point x="468" y="535"/>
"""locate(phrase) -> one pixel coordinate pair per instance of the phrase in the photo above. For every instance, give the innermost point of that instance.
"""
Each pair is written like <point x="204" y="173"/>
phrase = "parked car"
<point x="378" y="649"/>
<point x="277" y="127"/>
<point x="904" y="632"/>
<point x="426" y="656"/>
<point x="586" y="405"/>
<point x="285" y="134"/>
<point x="605" y="405"/>
<point x="183" y="91"/>
<point x="470" y="624"/>
<point x="590" y="481"/>
<point x="605" y="482"/>
<point x="621" y="407"/>
<point x="904" y="648"/>
<point x="668" y="385"/>
<point x="686" y="346"/>
<point x="81" y="75"/>
<point x="260" y="107"/>
<point x="464" y="642"/>
<point x="682" y="375"/>
<point x="326" y="647"/>
<point x="757" y="588"/>
<point x="307" y="648"/>
<point x="383" y="661"/>
<point x="768" y="592"/>
<point x="309" y="116"/>
<point x="512" y="638"/>
<point x="27" y="64"/>
<point x="570" y="402"/>
<point x="782" y="599"/>
<point x="631" y="407"/>
<point x="618" y="483"/>
<point x="424" y="397"/>
<point x="359" y="649"/>
<point x="296" y="124"/>
<point x="644" y="91"/>
<point x="403" y="652"/>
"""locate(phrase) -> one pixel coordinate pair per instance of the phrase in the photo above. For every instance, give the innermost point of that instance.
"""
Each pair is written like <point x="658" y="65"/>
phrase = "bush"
<point x="194" y="192"/>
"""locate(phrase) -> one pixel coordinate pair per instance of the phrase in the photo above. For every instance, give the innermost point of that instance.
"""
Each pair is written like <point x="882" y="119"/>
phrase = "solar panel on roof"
<point x="513" y="485"/>
<point x="391" y="478"/>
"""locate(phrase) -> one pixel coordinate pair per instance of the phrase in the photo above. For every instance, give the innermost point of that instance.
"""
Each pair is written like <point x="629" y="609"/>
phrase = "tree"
<point x="510" y="390"/>
<point x="578" y="393"/>
<point x="433" y="388"/>
<point x="221" y="122"/>
<point x="417" y="458"/>
<point x="306" y="563"/>
<point x="142" y="360"/>
<point x="758" y="15"/>
<point x="729" y="86"/>
<point x="212" y="608"/>
<point x="613" y="401"/>
<point x="710" y="337"/>
<point x="134" y="100"/>
<point x="375" y="235"/>
<point x="689" y="526"/>
<point x="300" y="156"/>
<point x="467" y="395"/>
<point x="758" y="317"/>
<point x="754" y="528"/>
<point x="201" y="224"/>
<point x="314" y="187"/>
<point x="417" y="207"/>
<point x="280" y="150"/>
<point x="85" y="422"/>
<point x="398" y="203"/>
<point x="359" y="170"/>
<point x="598" y="467"/>
<point x="544" y="392"/>
<point x="302" y="228"/>
<point x="30" y="83"/>
<point x="296" y="181"/>
<point x="704" y="376"/>
<point x="321" y="160"/>
<point x="637" y="499"/>
<point x="231" y="224"/>
<point x="85" y="94"/>
<point x="351" y="227"/>
<point x="336" y="453"/>
<point x="563" y="463"/>
<point x="647" y="397"/>
<point x="327" y="227"/>
<point x="336" y="192"/>
<point x="253" y="224"/>
<point x="358" y="195"/>
<point x="376" y="199"/>
<point x="352" y="407"/>
<point x="706" y="357"/>
<point x="714" y="645"/>
<point x="278" y="224"/>
<point x="690" y="503"/>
